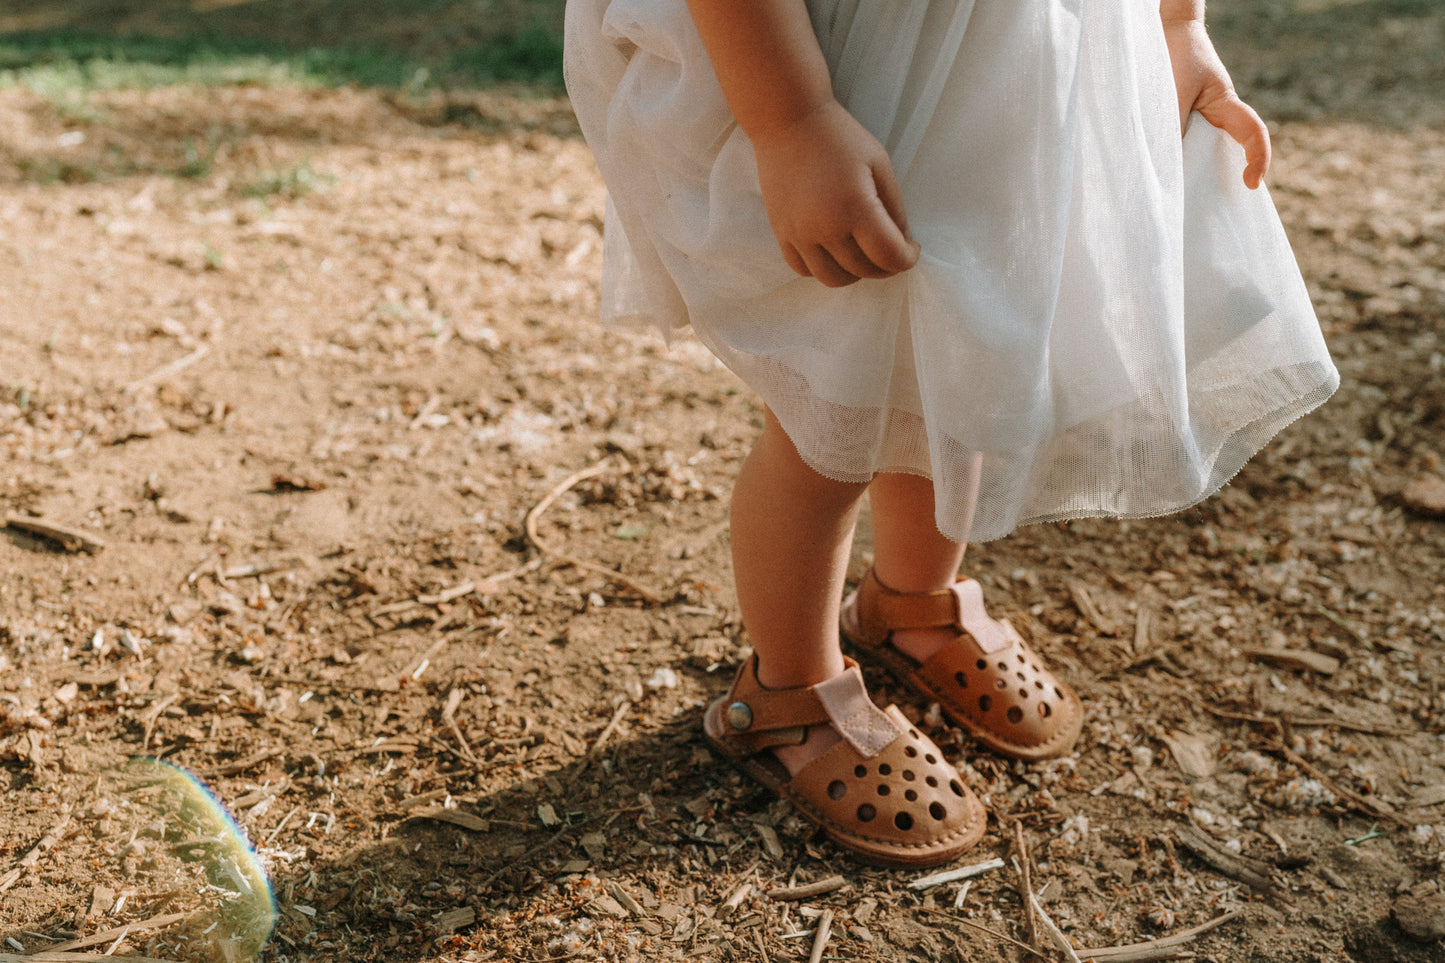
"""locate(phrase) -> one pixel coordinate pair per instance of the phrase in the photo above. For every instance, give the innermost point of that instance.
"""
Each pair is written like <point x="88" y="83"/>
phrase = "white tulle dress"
<point x="1104" y="320"/>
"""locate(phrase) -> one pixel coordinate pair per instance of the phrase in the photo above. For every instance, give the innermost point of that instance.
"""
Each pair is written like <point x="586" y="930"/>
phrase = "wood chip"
<point x="59" y="956"/>
<point x="1192" y="752"/>
<point x="1089" y="609"/>
<point x="68" y="538"/>
<point x="457" y="818"/>
<point x="1426" y="495"/>
<point x="608" y="906"/>
<point x="830" y="884"/>
<point x="820" y="938"/>
<point x="1252" y="872"/>
<point x="1429" y="796"/>
<point x="771" y="844"/>
<point x="625" y="898"/>
<point x="1297" y="659"/>
<point x="454" y="919"/>
<point x="131" y="929"/>
<point x="734" y="899"/>
<point x="954" y="875"/>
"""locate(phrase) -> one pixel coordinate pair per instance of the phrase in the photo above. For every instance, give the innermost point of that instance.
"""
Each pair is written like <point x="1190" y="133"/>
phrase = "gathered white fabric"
<point x="1104" y="319"/>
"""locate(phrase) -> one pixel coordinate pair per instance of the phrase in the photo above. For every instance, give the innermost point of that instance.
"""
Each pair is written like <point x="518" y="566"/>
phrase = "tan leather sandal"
<point x="884" y="792"/>
<point x="987" y="681"/>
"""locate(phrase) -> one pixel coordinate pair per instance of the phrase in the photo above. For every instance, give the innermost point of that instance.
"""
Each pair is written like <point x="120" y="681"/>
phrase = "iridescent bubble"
<point x="213" y="850"/>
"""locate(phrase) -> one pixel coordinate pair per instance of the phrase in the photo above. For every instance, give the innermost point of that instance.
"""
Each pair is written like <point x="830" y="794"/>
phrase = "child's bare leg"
<point x="910" y="554"/>
<point x="791" y="532"/>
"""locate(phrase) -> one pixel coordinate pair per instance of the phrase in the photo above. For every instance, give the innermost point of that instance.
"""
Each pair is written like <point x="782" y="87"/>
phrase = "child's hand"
<point x="1204" y="85"/>
<point x="832" y="198"/>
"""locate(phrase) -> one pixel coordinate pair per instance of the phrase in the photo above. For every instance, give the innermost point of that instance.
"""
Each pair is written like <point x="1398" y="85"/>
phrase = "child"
<point x="960" y="250"/>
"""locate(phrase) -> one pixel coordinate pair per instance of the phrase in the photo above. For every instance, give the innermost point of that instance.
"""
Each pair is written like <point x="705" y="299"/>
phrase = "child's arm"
<point x="1204" y="85"/>
<point x="828" y="186"/>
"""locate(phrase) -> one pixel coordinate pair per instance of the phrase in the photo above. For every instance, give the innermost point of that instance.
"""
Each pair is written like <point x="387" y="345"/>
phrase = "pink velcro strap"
<point x="866" y="727"/>
<point x="974" y="619"/>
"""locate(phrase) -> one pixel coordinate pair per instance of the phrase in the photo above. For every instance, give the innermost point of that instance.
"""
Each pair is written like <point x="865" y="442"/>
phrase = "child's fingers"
<point x="1238" y="120"/>
<point x="826" y="269"/>
<point x="884" y="241"/>
<point x="795" y="260"/>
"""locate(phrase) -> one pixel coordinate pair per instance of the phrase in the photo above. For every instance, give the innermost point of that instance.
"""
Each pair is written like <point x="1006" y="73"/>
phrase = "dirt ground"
<point x="309" y="394"/>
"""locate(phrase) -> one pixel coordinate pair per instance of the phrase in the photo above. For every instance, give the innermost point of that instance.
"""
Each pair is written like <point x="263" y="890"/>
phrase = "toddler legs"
<point x="791" y="532"/>
<point x="910" y="554"/>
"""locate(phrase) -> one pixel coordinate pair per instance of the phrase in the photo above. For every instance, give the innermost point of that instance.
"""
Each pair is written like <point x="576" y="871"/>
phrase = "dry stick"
<point x="1249" y="871"/>
<point x="70" y="539"/>
<point x="1026" y="883"/>
<point x="105" y="936"/>
<point x="1122" y="954"/>
<point x="984" y="929"/>
<point x="167" y="370"/>
<point x="47" y="842"/>
<point x="154" y="716"/>
<point x="609" y="729"/>
<point x="230" y="769"/>
<point x="735" y="899"/>
<point x="762" y="946"/>
<point x="52" y="956"/>
<point x="820" y="938"/>
<point x="454" y="699"/>
<point x="1278" y="746"/>
<point x="646" y="591"/>
<point x="1354" y="799"/>
<point x="1056" y="935"/>
<point x="809" y="890"/>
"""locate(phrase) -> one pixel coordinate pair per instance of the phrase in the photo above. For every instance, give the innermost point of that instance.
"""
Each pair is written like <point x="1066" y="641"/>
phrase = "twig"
<point x="609" y="729"/>
<point x="1354" y="799"/>
<point x="762" y="946"/>
<point x="1123" y="954"/>
<point x="271" y="838"/>
<point x="735" y="899"/>
<point x="454" y="699"/>
<point x="984" y="929"/>
<point x="1026" y="885"/>
<point x="59" y="956"/>
<point x="1249" y="871"/>
<point x="1089" y="609"/>
<point x="68" y="538"/>
<point x="231" y="768"/>
<point x="167" y="370"/>
<point x="154" y="716"/>
<point x="546" y="548"/>
<point x="52" y="836"/>
<point x="820" y="938"/>
<point x="1142" y="624"/>
<point x="1056" y="935"/>
<point x="106" y="936"/>
<point x="514" y="863"/>
<point x="830" y="884"/>
<point x="954" y="875"/>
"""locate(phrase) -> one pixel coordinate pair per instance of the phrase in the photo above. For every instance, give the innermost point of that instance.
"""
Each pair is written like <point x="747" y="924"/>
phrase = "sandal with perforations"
<point x="987" y="680"/>
<point x="883" y="792"/>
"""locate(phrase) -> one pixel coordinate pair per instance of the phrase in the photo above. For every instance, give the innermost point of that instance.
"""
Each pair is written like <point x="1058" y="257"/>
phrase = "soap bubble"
<point x="210" y="848"/>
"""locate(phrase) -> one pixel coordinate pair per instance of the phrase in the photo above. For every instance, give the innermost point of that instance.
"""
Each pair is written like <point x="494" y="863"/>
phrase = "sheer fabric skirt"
<point x="1104" y="320"/>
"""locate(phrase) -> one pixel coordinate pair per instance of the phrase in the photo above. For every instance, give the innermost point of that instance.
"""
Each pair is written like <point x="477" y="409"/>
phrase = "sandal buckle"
<point x="739" y="716"/>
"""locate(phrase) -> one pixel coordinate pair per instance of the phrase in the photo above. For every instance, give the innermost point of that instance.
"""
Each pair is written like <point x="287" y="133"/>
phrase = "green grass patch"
<point x="292" y="182"/>
<point x="61" y="64"/>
